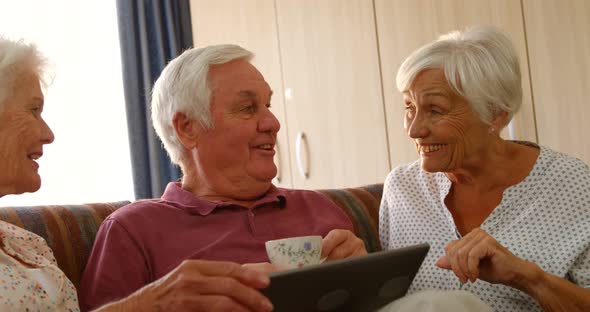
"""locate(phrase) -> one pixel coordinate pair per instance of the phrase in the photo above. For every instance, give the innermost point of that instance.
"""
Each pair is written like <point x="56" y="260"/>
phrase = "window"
<point x="89" y="160"/>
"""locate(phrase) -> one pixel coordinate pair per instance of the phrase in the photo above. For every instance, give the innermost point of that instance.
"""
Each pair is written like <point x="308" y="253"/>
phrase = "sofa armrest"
<point x="68" y="229"/>
<point x="361" y="204"/>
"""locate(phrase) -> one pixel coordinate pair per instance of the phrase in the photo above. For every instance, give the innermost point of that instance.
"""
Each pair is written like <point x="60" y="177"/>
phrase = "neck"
<point x="489" y="169"/>
<point x="241" y="191"/>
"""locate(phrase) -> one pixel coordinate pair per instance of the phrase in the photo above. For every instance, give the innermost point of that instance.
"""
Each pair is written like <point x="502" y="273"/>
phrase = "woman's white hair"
<point x="183" y="88"/>
<point x="17" y="58"/>
<point x="480" y="64"/>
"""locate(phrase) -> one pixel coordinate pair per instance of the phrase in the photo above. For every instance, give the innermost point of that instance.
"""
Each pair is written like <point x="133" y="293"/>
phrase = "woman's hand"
<point x="340" y="244"/>
<point x="197" y="285"/>
<point x="479" y="255"/>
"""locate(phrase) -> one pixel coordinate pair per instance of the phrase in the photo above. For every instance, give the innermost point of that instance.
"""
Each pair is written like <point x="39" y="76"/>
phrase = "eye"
<point x="36" y="111"/>
<point x="435" y="110"/>
<point x="251" y="108"/>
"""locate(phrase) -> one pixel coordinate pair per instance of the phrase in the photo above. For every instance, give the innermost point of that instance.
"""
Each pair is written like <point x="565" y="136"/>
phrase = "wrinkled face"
<point x="240" y="148"/>
<point x="23" y="132"/>
<point x="447" y="133"/>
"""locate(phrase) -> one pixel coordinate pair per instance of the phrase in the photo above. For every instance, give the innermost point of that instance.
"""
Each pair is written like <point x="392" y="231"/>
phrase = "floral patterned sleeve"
<point x="30" y="279"/>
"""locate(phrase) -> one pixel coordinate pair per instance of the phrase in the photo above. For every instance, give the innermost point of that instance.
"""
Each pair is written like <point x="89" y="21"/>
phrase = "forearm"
<point x="553" y="293"/>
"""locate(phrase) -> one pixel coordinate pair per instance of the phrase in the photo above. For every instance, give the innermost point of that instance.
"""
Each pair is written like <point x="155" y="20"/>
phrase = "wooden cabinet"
<point x="333" y="92"/>
<point x="558" y="36"/>
<point x="332" y="65"/>
<point x="252" y="25"/>
<point x="327" y="90"/>
<point x="405" y="25"/>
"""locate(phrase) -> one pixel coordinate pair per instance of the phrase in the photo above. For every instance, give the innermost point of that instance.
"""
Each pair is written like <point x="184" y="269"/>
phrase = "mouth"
<point x="430" y="148"/>
<point x="266" y="147"/>
<point x="34" y="156"/>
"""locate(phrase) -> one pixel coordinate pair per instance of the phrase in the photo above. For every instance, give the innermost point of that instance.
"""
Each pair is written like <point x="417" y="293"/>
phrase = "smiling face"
<point x="448" y="135"/>
<point x="23" y="132"/>
<point x="238" y="152"/>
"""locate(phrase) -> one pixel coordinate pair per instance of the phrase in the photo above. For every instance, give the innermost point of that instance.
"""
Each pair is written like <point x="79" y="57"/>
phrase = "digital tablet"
<point x="362" y="283"/>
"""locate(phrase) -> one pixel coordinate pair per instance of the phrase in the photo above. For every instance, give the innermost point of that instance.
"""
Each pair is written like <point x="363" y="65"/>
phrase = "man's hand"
<point x="197" y="285"/>
<point x="263" y="267"/>
<point x="340" y="244"/>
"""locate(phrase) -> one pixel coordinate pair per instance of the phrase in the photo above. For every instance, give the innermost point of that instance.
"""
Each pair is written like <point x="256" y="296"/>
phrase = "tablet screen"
<point x="363" y="283"/>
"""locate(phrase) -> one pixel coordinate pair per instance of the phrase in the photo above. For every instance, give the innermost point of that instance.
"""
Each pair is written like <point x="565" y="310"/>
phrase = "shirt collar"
<point x="183" y="199"/>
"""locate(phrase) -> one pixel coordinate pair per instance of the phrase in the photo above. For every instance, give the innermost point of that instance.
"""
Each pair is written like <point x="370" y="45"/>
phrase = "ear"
<point x="500" y="121"/>
<point x="187" y="130"/>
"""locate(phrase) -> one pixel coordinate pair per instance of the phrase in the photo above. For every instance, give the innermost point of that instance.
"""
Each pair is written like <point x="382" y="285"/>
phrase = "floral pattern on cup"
<point x="295" y="252"/>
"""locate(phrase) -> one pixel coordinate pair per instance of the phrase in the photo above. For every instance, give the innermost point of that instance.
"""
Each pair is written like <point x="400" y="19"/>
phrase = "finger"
<point x="475" y="257"/>
<point x="351" y="246"/>
<point x="333" y="239"/>
<point x="479" y="251"/>
<point x="464" y="254"/>
<point x="231" y="288"/>
<point x="443" y="263"/>
<point x="361" y="250"/>
<point x="451" y="252"/>
<point x="245" y="275"/>
<point x="263" y="267"/>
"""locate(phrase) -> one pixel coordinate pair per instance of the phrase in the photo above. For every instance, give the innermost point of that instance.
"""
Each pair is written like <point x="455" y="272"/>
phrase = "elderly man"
<point x="211" y="109"/>
<point x="30" y="275"/>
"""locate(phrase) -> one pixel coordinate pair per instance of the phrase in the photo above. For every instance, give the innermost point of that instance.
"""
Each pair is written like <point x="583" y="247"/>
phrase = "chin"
<point x="33" y="185"/>
<point x="266" y="175"/>
<point x="33" y="188"/>
<point x="429" y="167"/>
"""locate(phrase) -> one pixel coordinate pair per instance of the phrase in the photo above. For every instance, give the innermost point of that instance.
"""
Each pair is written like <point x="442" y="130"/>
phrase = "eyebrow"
<point x="38" y="100"/>
<point x="251" y="94"/>
<point x="435" y="93"/>
<point x="247" y="93"/>
<point x="429" y="93"/>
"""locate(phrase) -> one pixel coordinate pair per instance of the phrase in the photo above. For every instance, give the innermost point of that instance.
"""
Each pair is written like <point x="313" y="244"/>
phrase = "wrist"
<point x="129" y="303"/>
<point x="529" y="278"/>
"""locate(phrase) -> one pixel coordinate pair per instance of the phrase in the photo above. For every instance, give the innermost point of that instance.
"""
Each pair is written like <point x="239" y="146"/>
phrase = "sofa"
<point x="70" y="229"/>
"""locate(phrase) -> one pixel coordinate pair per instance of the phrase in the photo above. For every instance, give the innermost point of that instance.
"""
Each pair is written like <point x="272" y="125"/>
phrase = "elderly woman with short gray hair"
<point x="508" y="221"/>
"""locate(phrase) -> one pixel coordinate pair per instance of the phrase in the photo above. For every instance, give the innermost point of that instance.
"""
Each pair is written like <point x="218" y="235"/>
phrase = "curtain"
<point x="151" y="32"/>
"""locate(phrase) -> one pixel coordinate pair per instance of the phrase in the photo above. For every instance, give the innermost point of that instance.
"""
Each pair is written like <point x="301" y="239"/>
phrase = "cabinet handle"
<point x="278" y="178"/>
<point x="303" y="170"/>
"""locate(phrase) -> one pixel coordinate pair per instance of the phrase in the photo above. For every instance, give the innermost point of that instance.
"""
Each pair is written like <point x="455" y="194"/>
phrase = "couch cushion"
<point x="361" y="204"/>
<point x="69" y="230"/>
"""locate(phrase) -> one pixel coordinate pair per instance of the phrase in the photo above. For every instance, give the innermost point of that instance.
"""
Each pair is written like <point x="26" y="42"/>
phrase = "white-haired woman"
<point x="506" y="220"/>
<point x="30" y="279"/>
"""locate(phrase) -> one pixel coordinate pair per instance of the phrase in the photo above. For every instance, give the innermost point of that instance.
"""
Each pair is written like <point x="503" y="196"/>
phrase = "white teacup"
<point x="295" y="252"/>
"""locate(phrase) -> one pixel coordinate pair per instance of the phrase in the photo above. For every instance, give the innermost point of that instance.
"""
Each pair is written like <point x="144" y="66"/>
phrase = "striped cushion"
<point x="361" y="204"/>
<point x="69" y="230"/>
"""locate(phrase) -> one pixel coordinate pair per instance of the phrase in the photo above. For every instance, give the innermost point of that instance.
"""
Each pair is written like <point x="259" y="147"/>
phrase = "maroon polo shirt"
<point x="143" y="241"/>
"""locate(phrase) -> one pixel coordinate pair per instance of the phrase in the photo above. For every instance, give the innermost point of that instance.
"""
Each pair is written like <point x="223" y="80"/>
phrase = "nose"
<point x="269" y="122"/>
<point x="47" y="136"/>
<point x="416" y="126"/>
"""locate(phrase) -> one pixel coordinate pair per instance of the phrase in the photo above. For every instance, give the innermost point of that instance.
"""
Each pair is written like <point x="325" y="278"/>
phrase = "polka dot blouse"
<point x="30" y="279"/>
<point x="544" y="219"/>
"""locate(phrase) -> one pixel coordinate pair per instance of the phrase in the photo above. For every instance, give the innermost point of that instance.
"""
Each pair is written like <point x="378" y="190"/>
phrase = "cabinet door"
<point x="405" y="25"/>
<point x="252" y="25"/>
<point x="558" y="36"/>
<point x="333" y="92"/>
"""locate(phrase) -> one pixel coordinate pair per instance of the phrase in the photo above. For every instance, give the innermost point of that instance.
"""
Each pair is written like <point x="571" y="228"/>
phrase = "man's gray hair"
<point x="17" y="58"/>
<point x="480" y="64"/>
<point x="183" y="88"/>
